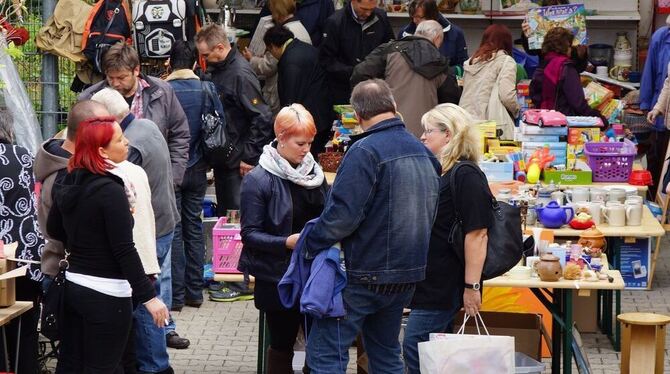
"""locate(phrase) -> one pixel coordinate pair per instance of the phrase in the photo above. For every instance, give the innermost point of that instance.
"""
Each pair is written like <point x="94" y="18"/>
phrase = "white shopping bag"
<point x="468" y="354"/>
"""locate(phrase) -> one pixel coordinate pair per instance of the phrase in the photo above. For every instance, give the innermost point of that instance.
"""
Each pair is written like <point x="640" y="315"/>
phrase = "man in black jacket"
<point x="248" y="117"/>
<point x="350" y="34"/>
<point x="301" y="80"/>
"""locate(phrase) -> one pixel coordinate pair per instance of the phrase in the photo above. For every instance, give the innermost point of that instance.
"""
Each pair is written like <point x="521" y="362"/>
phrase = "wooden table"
<point x="557" y="298"/>
<point x="650" y="227"/>
<point x="6" y="316"/>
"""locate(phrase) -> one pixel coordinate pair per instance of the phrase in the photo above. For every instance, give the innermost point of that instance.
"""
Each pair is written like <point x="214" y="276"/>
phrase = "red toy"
<point x="544" y="117"/>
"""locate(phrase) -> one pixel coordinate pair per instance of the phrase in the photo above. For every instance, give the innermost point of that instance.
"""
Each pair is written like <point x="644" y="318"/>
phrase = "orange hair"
<point x="294" y="120"/>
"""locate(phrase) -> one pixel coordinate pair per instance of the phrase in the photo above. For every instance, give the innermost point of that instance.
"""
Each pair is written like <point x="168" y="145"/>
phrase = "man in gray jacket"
<point x="149" y="98"/>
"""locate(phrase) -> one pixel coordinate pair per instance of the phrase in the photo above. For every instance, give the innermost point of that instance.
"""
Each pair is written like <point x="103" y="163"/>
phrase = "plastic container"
<point x="526" y="365"/>
<point x="601" y="54"/>
<point x="226" y="247"/>
<point x="610" y="162"/>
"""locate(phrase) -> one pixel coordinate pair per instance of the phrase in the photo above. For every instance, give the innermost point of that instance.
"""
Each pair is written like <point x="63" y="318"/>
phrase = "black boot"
<point x="279" y="362"/>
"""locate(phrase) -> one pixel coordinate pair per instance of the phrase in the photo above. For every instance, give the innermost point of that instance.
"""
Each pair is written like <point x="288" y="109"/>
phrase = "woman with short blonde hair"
<point x="450" y="133"/>
<point x="278" y="197"/>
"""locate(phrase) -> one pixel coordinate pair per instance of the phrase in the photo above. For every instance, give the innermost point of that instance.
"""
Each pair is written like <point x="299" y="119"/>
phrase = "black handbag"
<point x="53" y="304"/>
<point x="505" y="240"/>
<point x="214" y="137"/>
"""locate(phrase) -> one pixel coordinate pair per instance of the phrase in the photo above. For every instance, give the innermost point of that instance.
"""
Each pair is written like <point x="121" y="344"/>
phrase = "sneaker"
<point x="216" y="286"/>
<point x="228" y="295"/>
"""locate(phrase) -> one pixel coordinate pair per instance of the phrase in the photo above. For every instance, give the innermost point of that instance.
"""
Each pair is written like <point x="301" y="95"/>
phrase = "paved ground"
<point x="224" y="335"/>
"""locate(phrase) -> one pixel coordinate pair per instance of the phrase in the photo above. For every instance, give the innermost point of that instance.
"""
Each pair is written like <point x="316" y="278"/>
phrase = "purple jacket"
<point x="570" y="98"/>
<point x="317" y="283"/>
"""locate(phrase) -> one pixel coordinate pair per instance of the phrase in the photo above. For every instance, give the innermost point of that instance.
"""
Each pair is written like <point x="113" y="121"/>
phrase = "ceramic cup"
<point x="633" y="214"/>
<point x="617" y="194"/>
<point x="578" y="194"/>
<point x="639" y="200"/>
<point x="593" y="208"/>
<point x="602" y="71"/>
<point x="598" y="195"/>
<point x="530" y="262"/>
<point x="615" y="214"/>
<point x="559" y="197"/>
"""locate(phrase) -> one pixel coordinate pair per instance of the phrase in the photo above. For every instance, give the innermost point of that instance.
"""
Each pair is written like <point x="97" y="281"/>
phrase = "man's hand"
<point x="292" y="240"/>
<point x="525" y="27"/>
<point x="651" y="116"/>
<point x="245" y="168"/>
<point x="247" y="53"/>
<point x="472" y="301"/>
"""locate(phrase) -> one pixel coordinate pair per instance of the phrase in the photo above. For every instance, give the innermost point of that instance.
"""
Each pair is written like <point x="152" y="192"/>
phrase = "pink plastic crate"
<point x="610" y="162"/>
<point x="227" y="247"/>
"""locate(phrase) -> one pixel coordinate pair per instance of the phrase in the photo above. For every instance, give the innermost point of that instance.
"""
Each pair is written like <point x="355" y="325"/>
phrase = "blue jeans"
<point x="377" y="315"/>
<point x="164" y="281"/>
<point x="188" y="246"/>
<point x="150" y="345"/>
<point x="420" y="324"/>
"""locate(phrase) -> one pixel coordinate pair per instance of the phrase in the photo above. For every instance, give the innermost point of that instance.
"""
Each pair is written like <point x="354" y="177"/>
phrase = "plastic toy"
<point x="543" y="117"/>
<point x="582" y="121"/>
<point x="537" y="162"/>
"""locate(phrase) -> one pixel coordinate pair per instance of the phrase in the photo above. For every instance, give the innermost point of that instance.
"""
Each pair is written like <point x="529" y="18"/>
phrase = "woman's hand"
<point x="247" y="53"/>
<point x="472" y="301"/>
<point x="158" y="311"/>
<point x="525" y="28"/>
<point x="651" y="116"/>
<point x="292" y="240"/>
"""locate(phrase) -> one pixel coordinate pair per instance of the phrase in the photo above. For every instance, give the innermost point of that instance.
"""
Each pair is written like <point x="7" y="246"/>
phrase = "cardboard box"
<point x="524" y="327"/>
<point x="537" y="130"/>
<point x="8" y="286"/>
<point x="487" y="129"/>
<point x="577" y="137"/>
<point x="570" y="177"/>
<point x="584" y="310"/>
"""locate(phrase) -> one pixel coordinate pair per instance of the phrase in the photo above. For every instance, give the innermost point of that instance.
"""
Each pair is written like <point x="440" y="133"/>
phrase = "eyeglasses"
<point x="429" y="131"/>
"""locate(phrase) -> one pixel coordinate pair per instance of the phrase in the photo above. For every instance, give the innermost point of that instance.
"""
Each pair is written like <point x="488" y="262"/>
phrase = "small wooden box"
<point x="8" y="286"/>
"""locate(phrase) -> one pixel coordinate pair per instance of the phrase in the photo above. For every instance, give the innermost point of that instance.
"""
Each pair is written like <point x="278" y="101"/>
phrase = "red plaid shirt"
<point x="137" y="109"/>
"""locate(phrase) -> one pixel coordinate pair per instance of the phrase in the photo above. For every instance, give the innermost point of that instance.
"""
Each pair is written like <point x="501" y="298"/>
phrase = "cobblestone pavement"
<point x="224" y="335"/>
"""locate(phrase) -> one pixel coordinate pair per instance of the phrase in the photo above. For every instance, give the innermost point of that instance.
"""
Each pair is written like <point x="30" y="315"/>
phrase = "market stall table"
<point x="7" y="315"/>
<point x="554" y="297"/>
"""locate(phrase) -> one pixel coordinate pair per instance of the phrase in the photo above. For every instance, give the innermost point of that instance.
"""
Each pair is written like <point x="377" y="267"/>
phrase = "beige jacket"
<point x="663" y="103"/>
<point x="264" y="64"/>
<point x="478" y="81"/>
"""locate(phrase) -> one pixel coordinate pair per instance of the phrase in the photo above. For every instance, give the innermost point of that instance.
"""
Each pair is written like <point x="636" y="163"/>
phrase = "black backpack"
<point x="108" y="23"/>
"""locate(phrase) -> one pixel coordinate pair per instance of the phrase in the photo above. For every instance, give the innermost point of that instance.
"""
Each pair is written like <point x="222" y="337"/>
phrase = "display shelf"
<point x="601" y="16"/>
<point x="626" y="85"/>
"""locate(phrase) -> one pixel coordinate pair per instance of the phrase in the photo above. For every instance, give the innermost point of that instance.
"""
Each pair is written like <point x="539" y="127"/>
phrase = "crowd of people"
<point x="121" y="196"/>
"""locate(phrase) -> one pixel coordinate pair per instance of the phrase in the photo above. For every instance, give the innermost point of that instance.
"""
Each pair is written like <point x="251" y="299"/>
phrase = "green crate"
<point x="570" y="177"/>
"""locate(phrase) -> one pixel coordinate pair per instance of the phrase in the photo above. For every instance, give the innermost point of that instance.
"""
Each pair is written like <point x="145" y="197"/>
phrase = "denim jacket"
<point x="381" y="207"/>
<point x="190" y="93"/>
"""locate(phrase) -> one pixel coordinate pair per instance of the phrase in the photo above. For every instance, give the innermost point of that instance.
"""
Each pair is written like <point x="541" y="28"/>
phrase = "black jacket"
<point x="92" y="217"/>
<point x="266" y="212"/>
<point x="248" y="117"/>
<point x="422" y="57"/>
<point x="302" y="80"/>
<point x="346" y="43"/>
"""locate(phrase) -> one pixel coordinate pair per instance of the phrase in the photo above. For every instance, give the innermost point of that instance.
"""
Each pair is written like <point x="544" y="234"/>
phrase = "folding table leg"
<point x="567" y="331"/>
<point x="4" y="343"/>
<point x="556" y="336"/>
<point x="18" y="344"/>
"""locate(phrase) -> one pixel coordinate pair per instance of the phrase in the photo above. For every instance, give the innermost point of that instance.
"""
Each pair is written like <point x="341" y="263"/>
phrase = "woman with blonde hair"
<point x="450" y="284"/>
<point x="278" y="197"/>
<point x="262" y="62"/>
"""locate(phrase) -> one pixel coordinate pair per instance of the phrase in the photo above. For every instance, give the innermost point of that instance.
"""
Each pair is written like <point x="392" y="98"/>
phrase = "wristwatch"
<point x="475" y="286"/>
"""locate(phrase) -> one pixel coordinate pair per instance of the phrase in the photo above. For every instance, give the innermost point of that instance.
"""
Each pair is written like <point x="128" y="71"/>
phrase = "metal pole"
<point x="49" y="79"/>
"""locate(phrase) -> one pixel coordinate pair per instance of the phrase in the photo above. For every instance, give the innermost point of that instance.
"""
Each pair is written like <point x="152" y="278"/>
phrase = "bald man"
<point x="50" y="167"/>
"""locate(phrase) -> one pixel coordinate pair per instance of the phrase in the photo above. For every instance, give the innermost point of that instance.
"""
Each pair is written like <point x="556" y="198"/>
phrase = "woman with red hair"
<point x="91" y="214"/>
<point x="489" y="80"/>
<point x="279" y="196"/>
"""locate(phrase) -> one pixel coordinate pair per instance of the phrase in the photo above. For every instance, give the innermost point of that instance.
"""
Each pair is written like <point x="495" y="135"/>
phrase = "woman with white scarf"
<point x="278" y="197"/>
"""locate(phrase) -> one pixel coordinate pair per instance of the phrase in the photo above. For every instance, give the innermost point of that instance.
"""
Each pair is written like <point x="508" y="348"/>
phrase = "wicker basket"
<point x="330" y="161"/>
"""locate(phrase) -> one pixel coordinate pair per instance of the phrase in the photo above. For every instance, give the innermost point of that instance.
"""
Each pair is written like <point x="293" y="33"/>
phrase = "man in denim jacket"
<point x="381" y="208"/>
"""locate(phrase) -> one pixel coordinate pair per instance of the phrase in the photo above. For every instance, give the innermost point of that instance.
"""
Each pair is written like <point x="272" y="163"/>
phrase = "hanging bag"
<point x="53" y="303"/>
<point x="108" y="23"/>
<point x="496" y="111"/>
<point x="214" y="136"/>
<point x="504" y="247"/>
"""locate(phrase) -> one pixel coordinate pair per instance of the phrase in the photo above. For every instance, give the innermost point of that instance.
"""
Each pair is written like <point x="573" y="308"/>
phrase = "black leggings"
<point x="96" y="331"/>
<point x="283" y="326"/>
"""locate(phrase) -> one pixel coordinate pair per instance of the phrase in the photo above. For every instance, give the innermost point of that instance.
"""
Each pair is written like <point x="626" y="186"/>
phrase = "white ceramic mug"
<point x="615" y="214"/>
<point x="578" y="195"/>
<point x="639" y="200"/>
<point x="617" y="194"/>
<point x="558" y="196"/>
<point x="602" y="71"/>
<point x="530" y="262"/>
<point x="594" y="209"/>
<point x="633" y="214"/>
<point x="598" y="195"/>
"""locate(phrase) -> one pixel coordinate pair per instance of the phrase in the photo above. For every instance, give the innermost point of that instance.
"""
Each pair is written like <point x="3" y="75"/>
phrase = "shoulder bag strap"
<point x="452" y="183"/>
<point x="111" y="19"/>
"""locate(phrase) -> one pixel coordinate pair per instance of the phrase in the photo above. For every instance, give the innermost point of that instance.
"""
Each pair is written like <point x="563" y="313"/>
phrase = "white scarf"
<point x="308" y="174"/>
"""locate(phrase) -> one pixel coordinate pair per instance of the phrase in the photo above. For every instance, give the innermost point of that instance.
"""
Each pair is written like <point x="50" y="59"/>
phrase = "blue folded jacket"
<point x="317" y="283"/>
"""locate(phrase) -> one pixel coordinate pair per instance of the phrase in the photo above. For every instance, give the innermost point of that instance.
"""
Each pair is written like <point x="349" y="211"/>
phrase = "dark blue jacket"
<point x="655" y="71"/>
<point x="190" y="94"/>
<point x="266" y="217"/>
<point x="312" y="14"/>
<point x="453" y="47"/>
<point x="381" y="207"/>
<point x="317" y="283"/>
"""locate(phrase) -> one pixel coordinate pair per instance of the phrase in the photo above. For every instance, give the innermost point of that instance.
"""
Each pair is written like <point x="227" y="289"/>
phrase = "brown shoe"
<point x="173" y="340"/>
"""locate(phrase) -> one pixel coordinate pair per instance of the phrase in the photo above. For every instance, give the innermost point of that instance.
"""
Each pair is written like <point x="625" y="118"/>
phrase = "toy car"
<point x="543" y="117"/>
